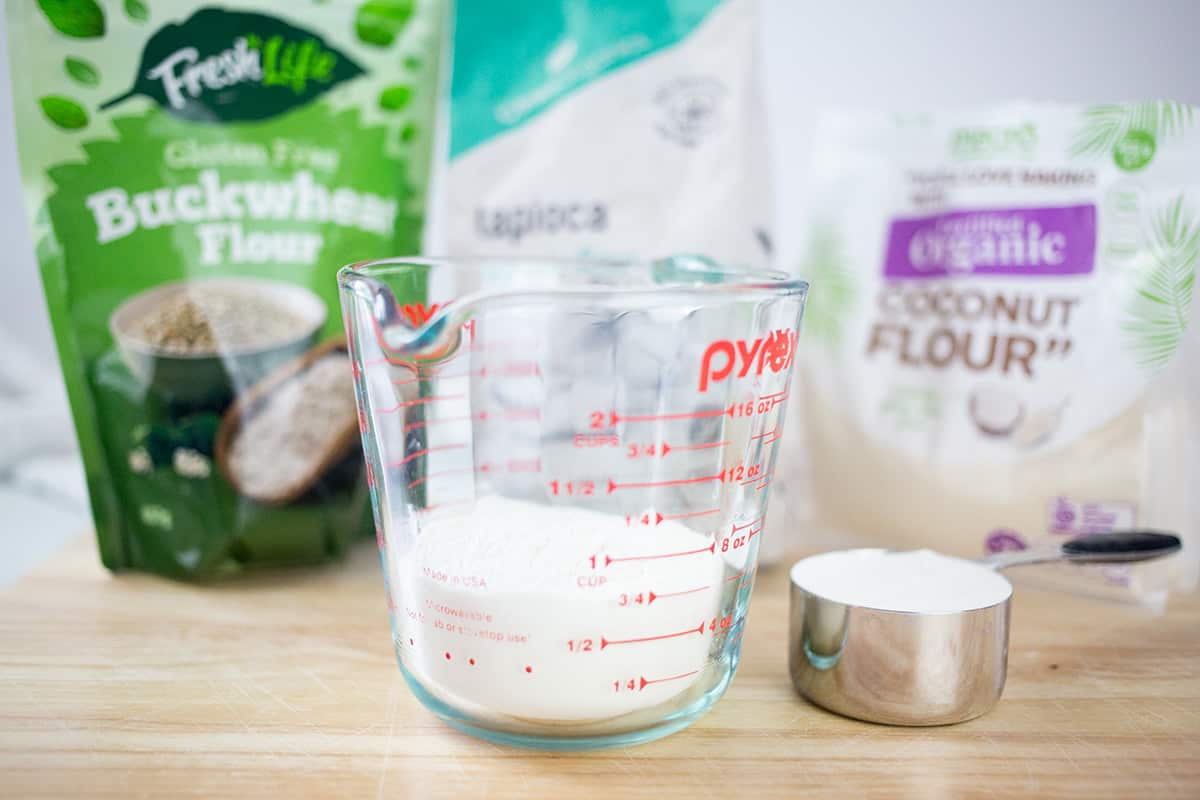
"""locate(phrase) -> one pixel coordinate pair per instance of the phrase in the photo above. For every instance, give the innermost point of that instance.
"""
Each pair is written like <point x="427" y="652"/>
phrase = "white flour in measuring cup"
<point x="914" y="582"/>
<point x="556" y="613"/>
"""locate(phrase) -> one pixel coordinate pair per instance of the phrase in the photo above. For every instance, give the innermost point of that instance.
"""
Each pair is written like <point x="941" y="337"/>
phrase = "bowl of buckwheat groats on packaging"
<point x="200" y="342"/>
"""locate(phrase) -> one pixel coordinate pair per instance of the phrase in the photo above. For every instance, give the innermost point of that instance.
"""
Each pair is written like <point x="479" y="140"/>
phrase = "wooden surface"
<point x="284" y="686"/>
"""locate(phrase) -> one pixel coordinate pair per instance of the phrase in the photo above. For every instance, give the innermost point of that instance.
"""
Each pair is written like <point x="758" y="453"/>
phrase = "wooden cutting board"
<point x="284" y="686"/>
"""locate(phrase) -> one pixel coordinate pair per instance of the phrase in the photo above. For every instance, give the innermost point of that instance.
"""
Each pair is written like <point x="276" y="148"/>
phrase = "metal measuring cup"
<point x="907" y="668"/>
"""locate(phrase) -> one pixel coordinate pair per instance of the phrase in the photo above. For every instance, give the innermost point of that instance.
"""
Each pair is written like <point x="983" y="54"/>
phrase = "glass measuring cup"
<point x="570" y="463"/>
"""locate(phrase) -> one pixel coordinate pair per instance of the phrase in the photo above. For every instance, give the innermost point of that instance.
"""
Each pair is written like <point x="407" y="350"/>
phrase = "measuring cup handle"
<point x="1123" y="547"/>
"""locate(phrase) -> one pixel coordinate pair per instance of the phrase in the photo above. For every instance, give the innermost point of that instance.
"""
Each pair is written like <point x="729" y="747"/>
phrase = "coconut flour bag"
<point x="589" y="127"/>
<point x="1002" y="339"/>
<point x="195" y="174"/>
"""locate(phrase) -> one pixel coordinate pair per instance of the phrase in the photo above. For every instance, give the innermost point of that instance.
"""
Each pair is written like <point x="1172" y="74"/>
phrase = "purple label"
<point x="1010" y="241"/>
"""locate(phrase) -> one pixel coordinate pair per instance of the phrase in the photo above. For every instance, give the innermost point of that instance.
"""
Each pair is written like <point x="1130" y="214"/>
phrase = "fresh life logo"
<point x="229" y="66"/>
<point x="264" y="201"/>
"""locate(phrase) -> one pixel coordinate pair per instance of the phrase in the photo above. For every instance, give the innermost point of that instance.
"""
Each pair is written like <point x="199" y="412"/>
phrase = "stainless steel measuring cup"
<point x="570" y="465"/>
<point x="905" y="668"/>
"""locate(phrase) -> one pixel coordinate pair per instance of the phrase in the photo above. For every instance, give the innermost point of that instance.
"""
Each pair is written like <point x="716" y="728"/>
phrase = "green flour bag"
<point x="195" y="174"/>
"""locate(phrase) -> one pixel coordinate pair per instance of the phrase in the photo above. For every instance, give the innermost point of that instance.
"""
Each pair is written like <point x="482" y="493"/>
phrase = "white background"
<point x="898" y="55"/>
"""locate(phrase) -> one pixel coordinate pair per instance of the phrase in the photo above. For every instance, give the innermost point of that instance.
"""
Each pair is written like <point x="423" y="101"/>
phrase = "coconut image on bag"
<point x="195" y="174"/>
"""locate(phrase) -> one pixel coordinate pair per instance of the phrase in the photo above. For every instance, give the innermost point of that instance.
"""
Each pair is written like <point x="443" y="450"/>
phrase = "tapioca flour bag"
<point x="1002" y="336"/>
<point x="628" y="128"/>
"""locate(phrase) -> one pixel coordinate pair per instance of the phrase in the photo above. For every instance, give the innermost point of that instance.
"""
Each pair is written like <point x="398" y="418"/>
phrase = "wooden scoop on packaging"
<point x="289" y="429"/>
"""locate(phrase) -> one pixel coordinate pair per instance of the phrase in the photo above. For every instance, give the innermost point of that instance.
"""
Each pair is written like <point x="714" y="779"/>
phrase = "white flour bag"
<point x="629" y="129"/>
<point x="588" y="127"/>
<point x="1001" y="344"/>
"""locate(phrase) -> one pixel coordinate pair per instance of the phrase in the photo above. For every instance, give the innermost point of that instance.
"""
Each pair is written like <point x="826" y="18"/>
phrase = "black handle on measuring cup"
<point x="1120" y="547"/>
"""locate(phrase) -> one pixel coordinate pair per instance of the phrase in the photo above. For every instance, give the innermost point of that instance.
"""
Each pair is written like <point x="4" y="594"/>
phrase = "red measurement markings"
<point x="513" y="414"/>
<point x="646" y="598"/>
<point x="595" y="559"/>
<point x="420" y="401"/>
<point x="420" y="453"/>
<point x="649" y="681"/>
<point x="744" y="474"/>
<point x="741" y="575"/>
<point x="597" y="440"/>
<point x="749" y="524"/>
<point x="657" y="518"/>
<point x="516" y="369"/>
<point x="766" y="482"/>
<point x="614" y="417"/>
<point x="423" y="423"/>
<point x="572" y="488"/>
<point x="661" y="449"/>
<point x="640" y="683"/>
<point x="614" y="486"/>
<point x="665" y="595"/>
<point x="762" y="405"/>
<point x="693" y="514"/>
<point x="774" y="399"/>
<point x="612" y="642"/>
<point x="737" y="541"/>
<point x="705" y="446"/>
<point x="513" y="465"/>
<point x="441" y="474"/>
<point x="771" y="437"/>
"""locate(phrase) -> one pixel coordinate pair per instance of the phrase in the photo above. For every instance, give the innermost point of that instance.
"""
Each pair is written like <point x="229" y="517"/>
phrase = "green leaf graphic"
<point x="394" y="98"/>
<point x="834" y="291"/>
<point x="1129" y="131"/>
<point x="79" y="19"/>
<point x="379" y="22"/>
<point x="294" y="66"/>
<point x="136" y="10"/>
<point x="63" y="112"/>
<point x="82" y="71"/>
<point x="1158" y="314"/>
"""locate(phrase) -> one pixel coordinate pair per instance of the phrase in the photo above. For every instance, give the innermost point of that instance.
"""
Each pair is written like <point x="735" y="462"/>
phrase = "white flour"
<point x="531" y="610"/>
<point x="918" y="581"/>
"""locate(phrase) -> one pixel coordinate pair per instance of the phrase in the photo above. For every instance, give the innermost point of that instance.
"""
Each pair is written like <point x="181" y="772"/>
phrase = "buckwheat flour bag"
<point x="630" y="128"/>
<point x="1002" y="336"/>
<point x="195" y="174"/>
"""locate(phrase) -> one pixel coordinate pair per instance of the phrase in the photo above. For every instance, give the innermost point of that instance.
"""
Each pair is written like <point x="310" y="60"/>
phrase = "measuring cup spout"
<point x="404" y="332"/>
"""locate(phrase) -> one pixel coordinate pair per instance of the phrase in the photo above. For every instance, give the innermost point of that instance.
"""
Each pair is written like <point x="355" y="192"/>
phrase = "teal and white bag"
<point x="582" y="127"/>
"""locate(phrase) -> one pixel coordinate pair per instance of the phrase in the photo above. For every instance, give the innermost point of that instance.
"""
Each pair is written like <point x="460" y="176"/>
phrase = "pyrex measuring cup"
<point x="570" y="465"/>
